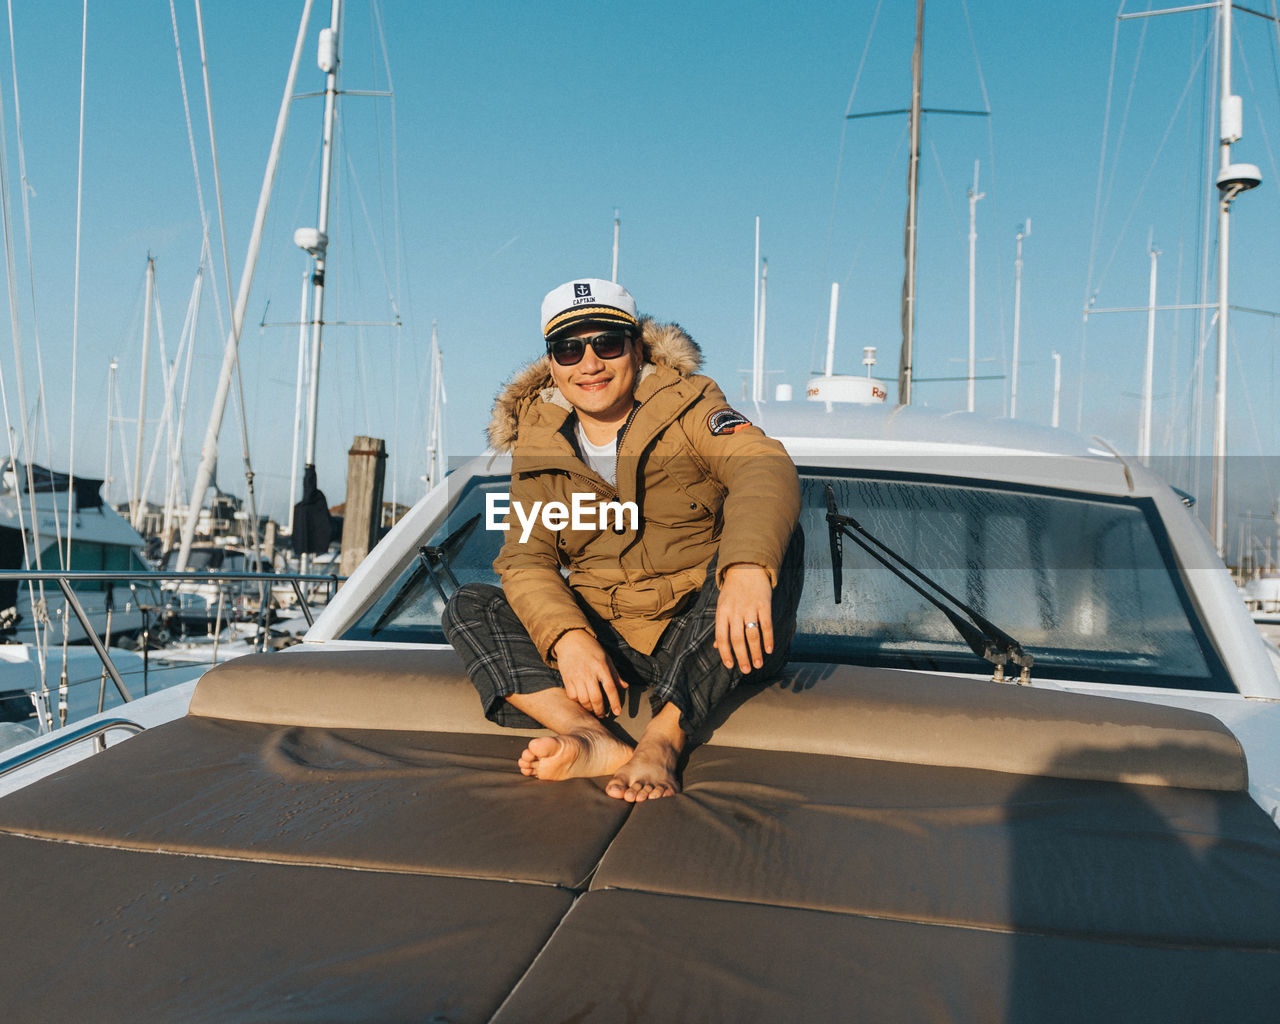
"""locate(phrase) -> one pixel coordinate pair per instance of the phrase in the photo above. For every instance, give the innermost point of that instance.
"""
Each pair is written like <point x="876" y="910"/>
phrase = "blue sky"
<point x="520" y="127"/>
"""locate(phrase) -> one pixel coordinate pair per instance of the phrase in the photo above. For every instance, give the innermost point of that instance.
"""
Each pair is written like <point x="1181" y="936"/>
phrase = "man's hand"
<point x="588" y="673"/>
<point x="744" y="616"/>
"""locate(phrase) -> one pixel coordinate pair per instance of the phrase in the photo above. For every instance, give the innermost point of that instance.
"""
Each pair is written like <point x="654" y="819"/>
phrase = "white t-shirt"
<point x="603" y="458"/>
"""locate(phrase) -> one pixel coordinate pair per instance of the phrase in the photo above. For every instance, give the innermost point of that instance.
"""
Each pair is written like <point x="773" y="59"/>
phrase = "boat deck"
<point x="850" y="844"/>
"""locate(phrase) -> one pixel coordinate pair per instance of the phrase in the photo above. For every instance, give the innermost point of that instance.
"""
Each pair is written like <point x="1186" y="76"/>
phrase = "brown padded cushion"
<point x="959" y="847"/>
<point x="726" y="963"/>
<point x="414" y="690"/>
<point x="424" y="803"/>
<point x="850" y="711"/>
<point x="112" y="935"/>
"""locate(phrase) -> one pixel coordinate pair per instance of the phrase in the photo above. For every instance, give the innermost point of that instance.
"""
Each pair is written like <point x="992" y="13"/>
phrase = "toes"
<point x="529" y="762"/>
<point x="638" y="792"/>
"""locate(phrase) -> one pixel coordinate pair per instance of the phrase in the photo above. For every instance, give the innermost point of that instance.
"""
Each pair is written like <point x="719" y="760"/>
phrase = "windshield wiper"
<point x="430" y="557"/>
<point x="984" y="638"/>
<point x="443" y="553"/>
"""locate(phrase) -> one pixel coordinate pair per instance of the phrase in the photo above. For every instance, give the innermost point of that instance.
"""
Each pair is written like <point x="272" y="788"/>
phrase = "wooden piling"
<point x="362" y="516"/>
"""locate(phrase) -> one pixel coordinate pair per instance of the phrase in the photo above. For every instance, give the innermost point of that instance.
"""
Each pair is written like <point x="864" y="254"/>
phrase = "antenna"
<point x="1023" y="232"/>
<point x="974" y="196"/>
<point x="617" y="226"/>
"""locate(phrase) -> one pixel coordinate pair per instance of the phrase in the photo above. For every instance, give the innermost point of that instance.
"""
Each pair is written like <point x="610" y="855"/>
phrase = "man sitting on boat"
<point x="690" y="585"/>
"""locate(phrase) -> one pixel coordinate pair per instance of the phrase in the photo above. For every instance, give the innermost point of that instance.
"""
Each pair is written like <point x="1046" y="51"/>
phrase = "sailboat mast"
<point x="913" y="181"/>
<point x="209" y="453"/>
<point x="617" y="230"/>
<point x="297" y="400"/>
<point x="175" y="468"/>
<point x="758" y="368"/>
<point x="1148" y="366"/>
<point x="831" y="328"/>
<point x="135" y="502"/>
<point x="1231" y="181"/>
<point x="329" y="61"/>
<point x="1219" y="495"/>
<point x="1016" y="362"/>
<point x="1057" y="389"/>
<point x="435" y="455"/>
<point x="755" y="318"/>
<point x="106" y="465"/>
<point x="974" y="196"/>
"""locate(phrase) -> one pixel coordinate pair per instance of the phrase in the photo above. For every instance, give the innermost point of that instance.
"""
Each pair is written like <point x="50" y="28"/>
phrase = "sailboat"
<point x="33" y="531"/>
<point x="831" y="387"/>
<point x="1228" y="180"/>
<point x="1023" y="764"/>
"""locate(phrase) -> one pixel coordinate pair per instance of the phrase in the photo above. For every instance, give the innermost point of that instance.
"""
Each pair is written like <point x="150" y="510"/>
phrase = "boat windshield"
<point x="1087" y="584"/>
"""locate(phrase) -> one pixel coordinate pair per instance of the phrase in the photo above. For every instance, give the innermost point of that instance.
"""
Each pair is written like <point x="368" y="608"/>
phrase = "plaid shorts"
<point x="684" y="669"/>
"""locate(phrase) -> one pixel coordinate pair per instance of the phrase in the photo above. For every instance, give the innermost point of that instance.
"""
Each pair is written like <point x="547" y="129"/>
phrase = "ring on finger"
<point x="753" y="625"/>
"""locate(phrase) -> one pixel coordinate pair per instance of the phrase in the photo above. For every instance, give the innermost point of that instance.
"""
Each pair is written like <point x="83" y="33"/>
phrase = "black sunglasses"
<point x="609" y="345"/>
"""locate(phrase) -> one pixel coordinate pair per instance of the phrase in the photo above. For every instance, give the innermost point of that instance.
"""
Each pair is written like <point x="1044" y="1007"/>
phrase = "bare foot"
<point x="573" y="755"/>
<point x="650" y="773"/>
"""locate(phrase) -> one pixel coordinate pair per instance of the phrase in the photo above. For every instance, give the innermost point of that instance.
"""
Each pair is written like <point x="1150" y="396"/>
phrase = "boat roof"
<point x="929" y="442"/>
<point x="910" y="424"/>
<point x="280" y="853"/>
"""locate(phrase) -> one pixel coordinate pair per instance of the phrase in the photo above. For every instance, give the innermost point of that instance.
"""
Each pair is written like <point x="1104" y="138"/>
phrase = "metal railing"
<point x="65" y="738"/>
<point x="168" y="582"/>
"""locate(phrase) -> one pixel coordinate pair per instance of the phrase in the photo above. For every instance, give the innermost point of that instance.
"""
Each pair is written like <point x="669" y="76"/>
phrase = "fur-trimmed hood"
<point x="665" y="345"/>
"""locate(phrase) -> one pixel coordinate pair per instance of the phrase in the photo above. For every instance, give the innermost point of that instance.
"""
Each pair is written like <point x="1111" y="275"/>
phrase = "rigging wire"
<point x="1109" y="191"/>
<point x="844" y="130"/>
<point x="375" y="8"/>
<point x="1103" y="197"/>
<point x="1175" y="343"/>
<point x="206" y="252"/>
<point x="946" y="190"/>
<point x="373" y="238"/>
<point x="180" y="483"/>
<point x="1253" y="419"/>
<point x="24" y="191"/>
<point x="1206" y="324"/>
<point x="1187" y="468"/>
<point x="213" y="146"/>
<point x="1151" y="167"/>
<point x="835" y="190"/>
<point x="174" y="480"/>
<point x="222" y="228"/>
<point x="17" y="490"/>
<point x="1097" y="216"/>
<point x="355" y="263"/>
<point x="339" y="218"/>
<point x="890" y="171"/>
<point x="75" y="302"/>
<point x="1262" y="123"/>
<point x="1275" y="28"/>
<point x="167" y="372"/>
<point x="993" y="189"/>
<point x="38" y="607"/>
<point x="382" y="215"/>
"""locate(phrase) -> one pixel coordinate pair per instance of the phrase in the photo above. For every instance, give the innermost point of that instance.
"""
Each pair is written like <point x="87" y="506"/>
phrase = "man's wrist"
<point x="723" y="574"/>
<point x="556" y="643"/>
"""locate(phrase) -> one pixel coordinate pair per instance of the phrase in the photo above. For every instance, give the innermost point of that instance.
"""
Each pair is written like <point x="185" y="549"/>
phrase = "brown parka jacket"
<point x="702" y="479"/>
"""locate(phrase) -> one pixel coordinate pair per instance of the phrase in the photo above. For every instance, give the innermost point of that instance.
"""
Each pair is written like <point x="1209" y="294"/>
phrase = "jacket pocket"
<point x="681" y="490"/>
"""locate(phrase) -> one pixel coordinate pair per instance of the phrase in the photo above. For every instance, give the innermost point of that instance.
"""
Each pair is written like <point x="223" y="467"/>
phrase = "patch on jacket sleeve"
<point x="726" y="421"/>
